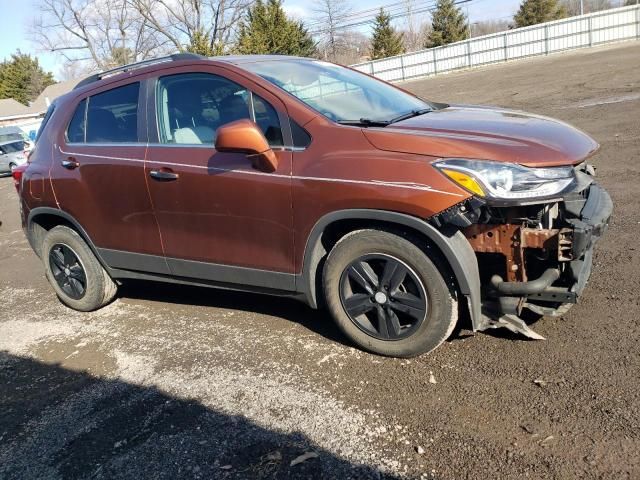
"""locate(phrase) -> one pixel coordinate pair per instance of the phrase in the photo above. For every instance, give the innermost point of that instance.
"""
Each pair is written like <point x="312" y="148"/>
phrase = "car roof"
<point x="155" y="64"/>
<point x="241" y="59"/>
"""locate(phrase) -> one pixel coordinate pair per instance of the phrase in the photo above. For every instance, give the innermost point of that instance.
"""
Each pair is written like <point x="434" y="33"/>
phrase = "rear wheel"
<point x="387" y="295"/>
<point x="74" y="272"/>
<point x="12" y="166"/>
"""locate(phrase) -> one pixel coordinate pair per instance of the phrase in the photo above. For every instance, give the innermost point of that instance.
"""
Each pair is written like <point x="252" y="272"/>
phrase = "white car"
<point x="12" y="154"/>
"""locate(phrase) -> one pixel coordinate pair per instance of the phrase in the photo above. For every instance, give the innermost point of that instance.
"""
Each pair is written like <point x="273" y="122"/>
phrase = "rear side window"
<point x="76" y="130"/>
<point x="45" y="120"/>
<point x="108" y="117"/>
<point x="112" y="116"/>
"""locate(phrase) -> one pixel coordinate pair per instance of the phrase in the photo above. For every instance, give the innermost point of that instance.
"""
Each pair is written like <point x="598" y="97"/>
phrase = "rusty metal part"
<point x="565" y="245"/>
<point x="536" y="238"/>
<point x="510" y="240"/>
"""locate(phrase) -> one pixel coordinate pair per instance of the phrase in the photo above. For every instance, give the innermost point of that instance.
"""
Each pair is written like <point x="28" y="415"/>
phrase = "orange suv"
<point x="292" y="176"/>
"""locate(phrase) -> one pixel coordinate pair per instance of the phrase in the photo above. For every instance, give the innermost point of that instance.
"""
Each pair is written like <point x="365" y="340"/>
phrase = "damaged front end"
<point x="532" y="255"/>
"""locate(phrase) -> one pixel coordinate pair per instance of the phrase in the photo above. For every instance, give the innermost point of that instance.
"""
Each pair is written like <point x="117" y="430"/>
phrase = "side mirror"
<point x="244" y="136"/>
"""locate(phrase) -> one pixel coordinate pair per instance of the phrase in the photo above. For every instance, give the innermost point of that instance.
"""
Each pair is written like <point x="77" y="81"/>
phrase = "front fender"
<point x="451" y="243"/>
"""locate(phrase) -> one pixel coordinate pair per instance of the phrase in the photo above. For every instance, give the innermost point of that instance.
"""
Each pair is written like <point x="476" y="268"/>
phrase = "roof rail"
<point x="133" y="66"/>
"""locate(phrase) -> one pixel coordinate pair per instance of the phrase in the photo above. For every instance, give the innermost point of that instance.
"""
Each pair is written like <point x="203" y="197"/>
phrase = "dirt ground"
<point x="177" y="382"/>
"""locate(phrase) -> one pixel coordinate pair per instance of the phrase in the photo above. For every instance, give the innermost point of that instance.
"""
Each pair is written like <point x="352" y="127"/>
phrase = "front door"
<point x="220" y="219"/>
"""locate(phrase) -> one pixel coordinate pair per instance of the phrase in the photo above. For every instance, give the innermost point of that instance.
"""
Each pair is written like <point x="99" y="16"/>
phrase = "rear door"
<point x="220" y="218"/>
<point x="98" y="177"/>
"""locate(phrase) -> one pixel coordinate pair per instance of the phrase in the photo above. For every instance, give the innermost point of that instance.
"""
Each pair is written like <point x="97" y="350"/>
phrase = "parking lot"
<point x="173" y="382"/>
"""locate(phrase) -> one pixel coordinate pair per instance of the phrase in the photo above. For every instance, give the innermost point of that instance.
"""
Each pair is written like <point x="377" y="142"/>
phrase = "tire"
<point x="422" y="328"/>
<point x="85" y="290"/>
<point x="11" y="167"/>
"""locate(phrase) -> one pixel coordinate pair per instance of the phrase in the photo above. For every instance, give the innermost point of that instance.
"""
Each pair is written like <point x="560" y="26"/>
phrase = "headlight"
<point x="507" y="181"/>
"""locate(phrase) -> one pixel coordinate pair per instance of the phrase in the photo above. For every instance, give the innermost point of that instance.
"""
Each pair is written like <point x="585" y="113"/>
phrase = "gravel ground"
<point x="177" y="382"/>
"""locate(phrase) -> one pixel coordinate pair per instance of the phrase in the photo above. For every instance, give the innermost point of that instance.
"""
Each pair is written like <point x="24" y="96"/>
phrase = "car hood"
<point x="486" y="133"/>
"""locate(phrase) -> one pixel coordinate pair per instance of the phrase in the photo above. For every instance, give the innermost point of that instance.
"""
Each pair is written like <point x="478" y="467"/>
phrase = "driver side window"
<point x="192" y="106"/>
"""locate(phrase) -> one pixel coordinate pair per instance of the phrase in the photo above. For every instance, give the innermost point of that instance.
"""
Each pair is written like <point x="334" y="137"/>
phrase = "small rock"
<point x="419" y="450"/>
<point x="527" y="428"/>
<point x="540" y="382"/>
<point x="432" y="379"/>
<point x="546" y="441"/>
<point x="226" y="467"/>
<point x="303" y="458"/>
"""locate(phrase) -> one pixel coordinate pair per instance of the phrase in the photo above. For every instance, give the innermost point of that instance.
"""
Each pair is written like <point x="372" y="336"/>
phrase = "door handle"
<point x="163" y="175"/>
<point x="70" y="163"/>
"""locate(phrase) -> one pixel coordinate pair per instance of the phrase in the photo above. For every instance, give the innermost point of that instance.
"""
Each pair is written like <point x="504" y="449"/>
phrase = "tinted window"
<point x="112" y="116"/>
<point x="75" y="131"/>
<point x="191" y="107"/>
<point x="45" y="120"/>
<point x="301" y="137"/>
<point x="267" y="119"/>
<point x="10" y="136"/>
<point x="13" y="147"/>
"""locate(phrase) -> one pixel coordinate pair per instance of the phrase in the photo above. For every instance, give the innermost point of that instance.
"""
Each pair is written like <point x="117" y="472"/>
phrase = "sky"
<point x="18" y="15"/>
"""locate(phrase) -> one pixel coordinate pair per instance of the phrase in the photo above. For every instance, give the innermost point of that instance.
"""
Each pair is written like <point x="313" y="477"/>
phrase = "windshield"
<point x="339" y="93"/>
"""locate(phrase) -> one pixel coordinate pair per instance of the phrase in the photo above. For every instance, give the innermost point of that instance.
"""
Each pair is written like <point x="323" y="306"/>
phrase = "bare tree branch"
<point x="329" y="14"/>
<point x="110" y="31"/>
<point x="180" y="22"/>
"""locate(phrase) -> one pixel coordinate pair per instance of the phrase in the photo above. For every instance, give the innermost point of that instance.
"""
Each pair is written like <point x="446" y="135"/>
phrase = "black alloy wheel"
<point x="68" y="271"/>
<point x="383" y="296"/>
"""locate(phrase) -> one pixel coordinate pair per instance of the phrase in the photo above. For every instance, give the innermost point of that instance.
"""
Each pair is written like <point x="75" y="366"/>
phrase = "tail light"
<point x="17" y="173"/>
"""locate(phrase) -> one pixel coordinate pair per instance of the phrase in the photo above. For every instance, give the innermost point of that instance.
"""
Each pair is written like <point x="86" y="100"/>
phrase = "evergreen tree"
<point x="202" y="45"/>
<point x="22" y="78"/>
<point x="267" y="30"/>
<point x="386" y="42"/>
<point x="449" y="25"/>
<point x="532" y="12"/>
<point x="121" y="56"/>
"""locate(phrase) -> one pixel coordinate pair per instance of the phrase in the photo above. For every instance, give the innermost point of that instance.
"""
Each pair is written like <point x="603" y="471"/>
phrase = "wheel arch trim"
<point x="65" y="216"/>
<point x="451" y="243"/>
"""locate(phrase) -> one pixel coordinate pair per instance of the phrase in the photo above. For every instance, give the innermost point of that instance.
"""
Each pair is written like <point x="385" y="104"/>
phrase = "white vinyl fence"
<point x="587" y="30"/>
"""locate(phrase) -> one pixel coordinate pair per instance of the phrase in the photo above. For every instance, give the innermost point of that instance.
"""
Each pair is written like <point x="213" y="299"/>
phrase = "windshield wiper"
<point x="411" y="114"/>
<point x="365" y="122"/>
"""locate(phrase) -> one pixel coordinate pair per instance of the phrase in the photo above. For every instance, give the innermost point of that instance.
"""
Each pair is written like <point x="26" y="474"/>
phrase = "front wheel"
<point x="387" y="295"/>
<point x="74" y="272"/>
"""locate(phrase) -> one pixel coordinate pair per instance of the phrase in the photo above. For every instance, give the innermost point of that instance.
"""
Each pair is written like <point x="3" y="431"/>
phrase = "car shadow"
<point x="59" y="423"/>
<point x="318" y="321"/>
